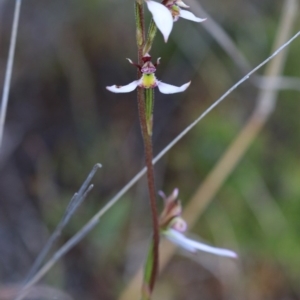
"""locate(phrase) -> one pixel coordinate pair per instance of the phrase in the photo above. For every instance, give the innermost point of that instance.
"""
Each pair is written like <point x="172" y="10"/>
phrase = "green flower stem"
<point x="140" y="35"/>
<point x="148" y="270"/>
<point x="149" y="104"/>
<point x="151" y="185"/>
<point x="150" y="37"/>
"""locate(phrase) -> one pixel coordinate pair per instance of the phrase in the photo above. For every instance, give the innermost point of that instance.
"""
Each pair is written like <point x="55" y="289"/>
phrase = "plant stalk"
<point x="140" y="33"/>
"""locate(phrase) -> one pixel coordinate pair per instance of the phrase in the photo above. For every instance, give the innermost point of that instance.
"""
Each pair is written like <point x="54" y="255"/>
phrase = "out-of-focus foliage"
<point x="61" y="121"/>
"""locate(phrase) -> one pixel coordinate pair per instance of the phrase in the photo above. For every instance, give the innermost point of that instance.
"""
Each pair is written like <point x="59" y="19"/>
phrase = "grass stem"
<point x="9" y="67"/>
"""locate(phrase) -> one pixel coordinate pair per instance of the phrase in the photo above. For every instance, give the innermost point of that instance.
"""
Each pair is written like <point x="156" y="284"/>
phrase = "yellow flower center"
<point x="175" y="11"/>
<point x="148" y="81"/>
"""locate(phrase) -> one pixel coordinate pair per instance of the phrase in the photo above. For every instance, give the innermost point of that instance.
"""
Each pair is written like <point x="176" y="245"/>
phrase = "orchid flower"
<point x="148" y="80"/>
<point x="172" y="227"/>
<point x="175" y="8"/>
<point x="165" y="15"/>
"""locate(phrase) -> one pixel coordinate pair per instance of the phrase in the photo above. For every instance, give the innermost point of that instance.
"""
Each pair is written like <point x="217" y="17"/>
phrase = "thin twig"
<point x="93" y="222"/>
<point x="9" y="67"/>
<point x="74" y="203"/>
<point x="60" y="253"/>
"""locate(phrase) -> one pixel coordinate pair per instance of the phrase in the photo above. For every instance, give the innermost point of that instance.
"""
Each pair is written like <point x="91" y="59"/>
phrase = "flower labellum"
<point x="148" y="80"/>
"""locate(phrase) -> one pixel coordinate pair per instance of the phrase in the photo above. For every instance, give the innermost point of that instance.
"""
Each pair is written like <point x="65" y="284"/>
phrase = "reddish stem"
<point x="148" y="156"/>
<point x="151" y="185"/>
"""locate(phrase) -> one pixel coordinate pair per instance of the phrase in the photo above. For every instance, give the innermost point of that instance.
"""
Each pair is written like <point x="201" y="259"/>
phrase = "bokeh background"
<point x="61" y="121"/>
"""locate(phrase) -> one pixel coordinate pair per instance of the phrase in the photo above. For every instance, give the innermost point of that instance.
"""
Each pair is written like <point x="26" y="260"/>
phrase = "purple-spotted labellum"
<point x="172" y="227"/>
<point x="148" y="80"/>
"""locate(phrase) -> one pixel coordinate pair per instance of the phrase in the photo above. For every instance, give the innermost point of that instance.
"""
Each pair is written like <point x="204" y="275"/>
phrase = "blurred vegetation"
<point x="61" y="121"/>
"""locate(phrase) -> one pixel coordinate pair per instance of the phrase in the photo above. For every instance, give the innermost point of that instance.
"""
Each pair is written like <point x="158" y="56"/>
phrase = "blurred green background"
<point x="61" y="121"/>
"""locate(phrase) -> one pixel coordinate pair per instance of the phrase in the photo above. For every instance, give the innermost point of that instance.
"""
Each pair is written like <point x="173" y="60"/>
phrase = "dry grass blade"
<point x="228" y="45"/>
<point x="74" y="203"/>
<point x="222" y="38"/>
<point x="38" y="292"/>
<point x="227" y="163"/>
<point x="9" y="67"/>
<point x="277" y="83"/>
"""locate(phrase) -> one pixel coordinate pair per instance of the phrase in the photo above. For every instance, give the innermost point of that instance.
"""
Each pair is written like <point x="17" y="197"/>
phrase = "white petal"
<point x="185" y="14"/>
<point x="179" y="239"/>
<point x="192" y="246"/>
<point x="125" y="88"/>
<point x="213" y="250"/>
<point x="162" y="18"/>
<point x="181" y="4"/>
<point x="171" y="89"/>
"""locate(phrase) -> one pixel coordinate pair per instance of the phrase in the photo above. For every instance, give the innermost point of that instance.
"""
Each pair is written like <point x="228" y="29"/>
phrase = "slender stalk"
<point x="140" y="34"/>
<point x="9" y="67"/>
<point x="151" y="187"/>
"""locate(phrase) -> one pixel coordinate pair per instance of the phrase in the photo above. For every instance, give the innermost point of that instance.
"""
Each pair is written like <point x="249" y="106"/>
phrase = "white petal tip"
<point x="193" y="246"/>
<point x="162" y="18"/>
<point x="171" y="89"/>
<point x="221" y="252"/>
<point x="185" y="14"/>
<point x="175" y="193"/>
<point x="228" y="253"/>
<point x="187" y="84"/>
<point x="181" y="4"/>
<point x="201" y="20"/>
<point x="123" y="89"/>
<point x="162" y="194"/>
